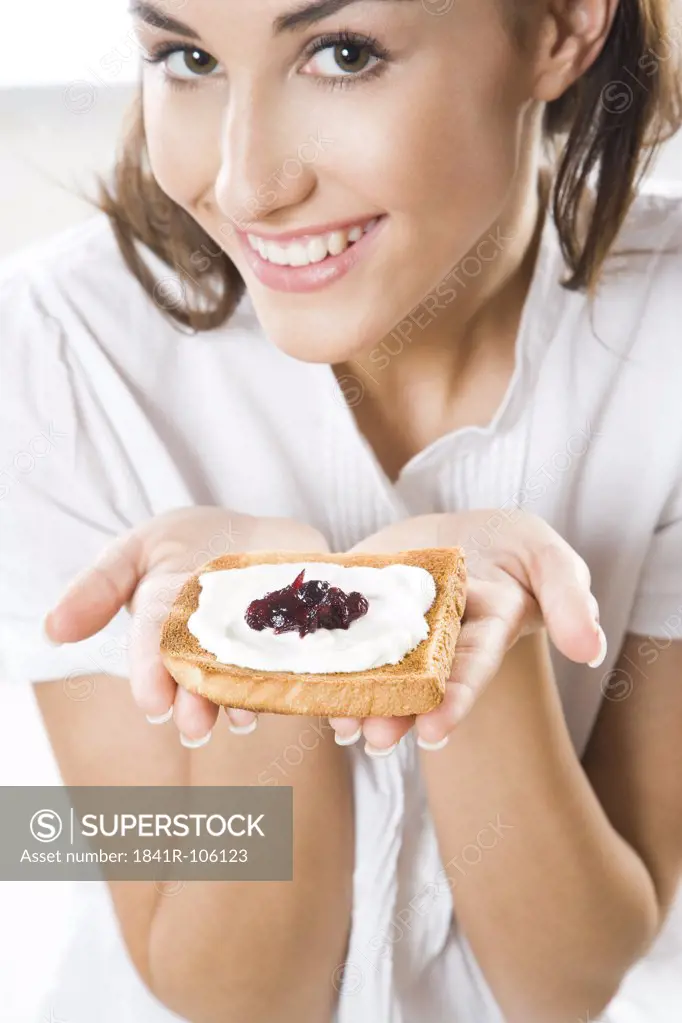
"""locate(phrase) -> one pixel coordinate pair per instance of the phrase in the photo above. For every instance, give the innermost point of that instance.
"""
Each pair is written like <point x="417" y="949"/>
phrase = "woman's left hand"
<point x="521" y="577"/>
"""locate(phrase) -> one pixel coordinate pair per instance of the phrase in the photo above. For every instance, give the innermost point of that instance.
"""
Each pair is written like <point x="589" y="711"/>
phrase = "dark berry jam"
<point x="305" y="607"/>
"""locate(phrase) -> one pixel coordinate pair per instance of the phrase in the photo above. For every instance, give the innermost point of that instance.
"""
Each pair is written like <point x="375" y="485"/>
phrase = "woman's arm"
<point x="584" y="862"/>
<point x="225" y="952"/>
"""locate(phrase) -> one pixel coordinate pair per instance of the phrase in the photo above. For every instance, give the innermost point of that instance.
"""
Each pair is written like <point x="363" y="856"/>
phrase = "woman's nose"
<point x="264" y="165"/>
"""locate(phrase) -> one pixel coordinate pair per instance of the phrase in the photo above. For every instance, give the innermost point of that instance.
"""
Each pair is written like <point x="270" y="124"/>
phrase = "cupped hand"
<point x="522" y="576"/>
<point x="143" y="571"/>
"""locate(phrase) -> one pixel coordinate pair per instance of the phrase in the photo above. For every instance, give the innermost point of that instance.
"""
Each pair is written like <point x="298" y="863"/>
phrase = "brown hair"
<point x="606" y="128"/>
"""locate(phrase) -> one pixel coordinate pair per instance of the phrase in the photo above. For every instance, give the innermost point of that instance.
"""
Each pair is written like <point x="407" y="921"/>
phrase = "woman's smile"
<point x="310" y="261"/>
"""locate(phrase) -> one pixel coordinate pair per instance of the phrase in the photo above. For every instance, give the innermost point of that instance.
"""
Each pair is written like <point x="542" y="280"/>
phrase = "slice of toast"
<point x="413" y="686"/>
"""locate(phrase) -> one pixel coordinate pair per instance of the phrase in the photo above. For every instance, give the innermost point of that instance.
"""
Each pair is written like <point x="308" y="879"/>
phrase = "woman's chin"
<point x="319" y="348"/>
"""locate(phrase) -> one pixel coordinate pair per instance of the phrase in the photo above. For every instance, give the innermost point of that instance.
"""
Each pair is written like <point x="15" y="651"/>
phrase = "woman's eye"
<point x="342" y="59"/>
<point x="190" y="63"/>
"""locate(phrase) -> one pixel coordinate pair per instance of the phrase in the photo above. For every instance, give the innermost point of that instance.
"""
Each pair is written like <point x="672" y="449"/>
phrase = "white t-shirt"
<point x="110" y="414"/>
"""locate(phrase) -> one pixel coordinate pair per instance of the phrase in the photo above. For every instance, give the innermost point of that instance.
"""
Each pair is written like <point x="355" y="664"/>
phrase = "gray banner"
<point x="156" y="833"/>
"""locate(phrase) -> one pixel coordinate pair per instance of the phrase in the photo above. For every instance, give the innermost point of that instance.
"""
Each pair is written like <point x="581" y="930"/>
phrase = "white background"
<point x="63" y="89"/>
<point x="47" y="42"/>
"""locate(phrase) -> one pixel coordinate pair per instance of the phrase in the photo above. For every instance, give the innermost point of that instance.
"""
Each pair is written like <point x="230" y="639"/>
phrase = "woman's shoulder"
<point x="654" y="221"/>
<point x="78" y="282"/>
<point x="637" y="310"/>
<point x="649" y="239"/>
<point x="88" y="247"/>
<point x="74" y="283"/>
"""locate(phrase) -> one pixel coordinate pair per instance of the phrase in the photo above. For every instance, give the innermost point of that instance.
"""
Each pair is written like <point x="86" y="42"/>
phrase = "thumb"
<point x="560" y="581"/>
<point x="98" y="593"/>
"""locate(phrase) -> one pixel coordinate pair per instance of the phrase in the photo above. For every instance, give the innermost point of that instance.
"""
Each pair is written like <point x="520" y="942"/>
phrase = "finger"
<point x="382" y="735"/>
<point x="153" y="689"/>
<point x="242" y="722"/>
<point x="195" y="717"/>
<point x="149" y="679"/>
<point x="98" y="593"/>
<point x="348" y="730"/>
<point x="480" y="650"/>
<point x="560" y="580"/>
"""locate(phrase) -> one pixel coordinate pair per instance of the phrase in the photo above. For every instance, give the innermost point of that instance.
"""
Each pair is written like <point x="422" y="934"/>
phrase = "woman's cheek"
<point x="467" y="139"/>
<point x="183" y="142"/>
<point x="424" y="149"/>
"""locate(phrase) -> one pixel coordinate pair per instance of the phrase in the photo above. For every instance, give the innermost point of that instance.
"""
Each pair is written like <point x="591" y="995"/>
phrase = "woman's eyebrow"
<point x="309" y="13"/>
<point x="154" y="16"/>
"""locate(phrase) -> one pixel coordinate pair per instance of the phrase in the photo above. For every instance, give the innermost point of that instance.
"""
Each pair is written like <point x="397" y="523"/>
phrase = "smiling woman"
<point x="372" y="279"/>
<point x="403" y="75"/>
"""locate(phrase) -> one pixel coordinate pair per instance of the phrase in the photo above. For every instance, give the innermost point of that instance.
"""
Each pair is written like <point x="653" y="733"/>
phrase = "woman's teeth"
<point x="313" y="250"/>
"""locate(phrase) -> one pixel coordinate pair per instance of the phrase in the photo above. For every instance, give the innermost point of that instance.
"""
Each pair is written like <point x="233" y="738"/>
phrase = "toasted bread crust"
<point x="414" y="686"/>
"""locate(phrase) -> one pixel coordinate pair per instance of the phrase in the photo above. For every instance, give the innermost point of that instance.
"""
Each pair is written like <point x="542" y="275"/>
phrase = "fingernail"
<point x="599" y="659"/>
<point x="195" y="743"/>
<point x="374" y="751"/>
<point x="347" y="740"/>
<point x="423" y="744"/>
<point x="244" y="729"/>
<point x="47" y="638"/>
<point x="594" y="604"/>
<point x="160" y="719"/>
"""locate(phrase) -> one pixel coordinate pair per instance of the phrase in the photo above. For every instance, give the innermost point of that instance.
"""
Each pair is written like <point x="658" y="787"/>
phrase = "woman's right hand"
<point x="143" y="570"/>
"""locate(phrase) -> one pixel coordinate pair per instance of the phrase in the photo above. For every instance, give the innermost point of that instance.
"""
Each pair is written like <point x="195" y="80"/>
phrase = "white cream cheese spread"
<point x="398" y="595"/>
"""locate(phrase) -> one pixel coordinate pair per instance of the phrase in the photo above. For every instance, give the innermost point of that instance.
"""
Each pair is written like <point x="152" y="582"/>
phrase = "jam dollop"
<point x="305" y="607"/>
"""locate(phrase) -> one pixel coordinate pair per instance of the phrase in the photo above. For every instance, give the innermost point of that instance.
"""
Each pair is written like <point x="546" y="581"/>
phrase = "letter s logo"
<point x="46" y="825"/>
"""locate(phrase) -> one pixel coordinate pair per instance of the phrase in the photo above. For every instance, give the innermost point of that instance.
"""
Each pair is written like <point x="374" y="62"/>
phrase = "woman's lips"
<point x="313" y="276"/>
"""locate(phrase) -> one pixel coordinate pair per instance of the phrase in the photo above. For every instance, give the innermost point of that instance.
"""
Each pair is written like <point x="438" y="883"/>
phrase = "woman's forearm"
<point x="225" y="952"/>
<point x="559" y="906"/>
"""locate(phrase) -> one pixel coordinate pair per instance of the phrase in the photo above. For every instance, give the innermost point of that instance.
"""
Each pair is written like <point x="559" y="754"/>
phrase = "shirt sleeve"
<point x="58" y="509"/>
<point x="657" y="610"/>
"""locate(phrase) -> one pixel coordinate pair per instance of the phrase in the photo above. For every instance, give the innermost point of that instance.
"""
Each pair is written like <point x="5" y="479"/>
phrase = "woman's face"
<point x="272" y="119"/>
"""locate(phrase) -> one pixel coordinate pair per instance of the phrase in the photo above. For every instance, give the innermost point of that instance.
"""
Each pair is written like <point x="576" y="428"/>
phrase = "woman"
<point x="425" y="308"/>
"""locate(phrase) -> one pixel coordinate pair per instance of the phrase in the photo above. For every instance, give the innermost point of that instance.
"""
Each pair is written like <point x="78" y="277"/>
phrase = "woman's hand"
<point x="143" y="571"/>
<point x="522" y="576"/>
<point x="520" y="572"/>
